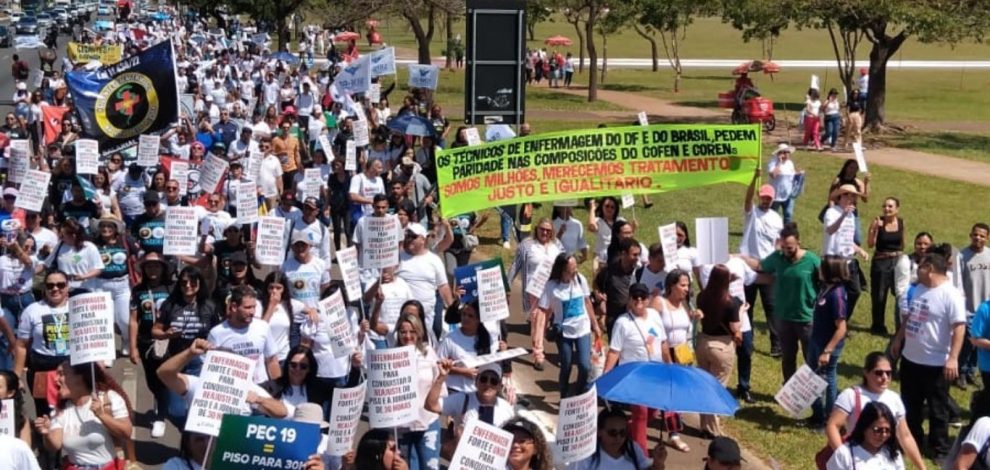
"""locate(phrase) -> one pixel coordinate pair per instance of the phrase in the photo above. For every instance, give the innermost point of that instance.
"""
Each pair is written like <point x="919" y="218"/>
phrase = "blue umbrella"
<point x="412" y="124"/>
<point x="668" y="387"/>
<point x="160" y="16"/>
<point x="284" y="56"/>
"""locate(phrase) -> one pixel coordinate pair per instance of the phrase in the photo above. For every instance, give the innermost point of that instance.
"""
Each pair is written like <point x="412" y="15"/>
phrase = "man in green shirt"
<point x="794" y="273"/>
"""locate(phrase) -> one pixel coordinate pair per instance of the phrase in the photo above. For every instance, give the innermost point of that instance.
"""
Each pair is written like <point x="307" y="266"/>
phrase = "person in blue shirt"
<point x="979" y="337"/>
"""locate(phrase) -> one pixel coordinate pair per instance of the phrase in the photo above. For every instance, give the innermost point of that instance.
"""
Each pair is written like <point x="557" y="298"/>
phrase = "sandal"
<point x="678" y="444"/>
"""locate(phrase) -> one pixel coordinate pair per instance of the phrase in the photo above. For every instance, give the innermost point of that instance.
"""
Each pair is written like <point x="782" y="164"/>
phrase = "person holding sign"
<point x="601" y="218"/>
<point x="532" y="252"/>
<point x="10" y="389"/>
<point x="567" y="301"/>
<point x="377" y="450"/>
<point x="76" y="257"/>
<point x="828" y="334"/>
<point x="720" y="333"/>
<point x="841" y="226"/>
<point x="388" y="294"/>
<point x="364" y="187"/>
<point x="307" y="274"/>
<point x="119" y="252"/>
<point x="187" y="314"/>
<point x="420" y="440"/>
<point x="241" y="334"/>
<point x="425" y="274"/>
<point x="333" y="371"/>
<point x="297" y="384"/>
<point x="872" y="444"/>
<point x="471" y="339"/>
<point x="570" y="232"/>
<point x="483" y="403"/>
<point x="529" y="449"/>
<point x="43" y="339"/>
<point x="93" y="417"/>
<point x="615" y="451"/>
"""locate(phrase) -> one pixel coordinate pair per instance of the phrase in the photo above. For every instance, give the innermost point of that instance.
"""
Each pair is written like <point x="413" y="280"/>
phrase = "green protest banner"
<point x="595" y="162"/>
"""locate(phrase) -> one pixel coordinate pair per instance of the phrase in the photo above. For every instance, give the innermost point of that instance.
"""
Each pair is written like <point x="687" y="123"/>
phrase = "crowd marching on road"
<point x="268" y="240"/>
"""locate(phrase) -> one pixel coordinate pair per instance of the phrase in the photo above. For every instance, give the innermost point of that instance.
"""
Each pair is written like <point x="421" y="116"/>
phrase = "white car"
<point x="60" y="15"/>
<point x="15" y="17"/>
<point x="103" y="10"/>
<point x="45" y="21"/>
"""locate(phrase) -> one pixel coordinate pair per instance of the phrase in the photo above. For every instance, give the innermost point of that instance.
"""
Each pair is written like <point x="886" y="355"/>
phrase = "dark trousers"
<point x="882" y="282"/>
<point x="766" y="297"/>
<point x="792" y="334"/>
<point x="926" y="387"/>
<point x="854" y="288"/>
<point x="744" y="361"/>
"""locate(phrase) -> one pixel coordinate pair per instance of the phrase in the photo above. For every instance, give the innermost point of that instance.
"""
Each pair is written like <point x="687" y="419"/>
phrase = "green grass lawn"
<point x="764" y="427"/>
<point x="707" y="38"/>
<point x="954" y="144"/>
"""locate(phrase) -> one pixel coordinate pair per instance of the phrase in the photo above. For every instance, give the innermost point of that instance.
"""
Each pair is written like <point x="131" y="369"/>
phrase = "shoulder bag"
<point x="823" y="456"/>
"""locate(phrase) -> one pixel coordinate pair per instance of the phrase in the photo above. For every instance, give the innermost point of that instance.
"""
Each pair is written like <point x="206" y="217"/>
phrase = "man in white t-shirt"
<point x="242" y="334"/>
<point x="761" y="233"/>
<point x="15" y="453"/>
<point x="423" y="270"/>
<point x="840" y="240"/>
<point x="930" y="338"/>
<point x="308" y="275"/>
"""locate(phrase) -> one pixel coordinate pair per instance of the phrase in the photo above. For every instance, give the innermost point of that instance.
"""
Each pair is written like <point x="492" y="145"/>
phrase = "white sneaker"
<point x="506" y="245"/>
<point x="158" y="429"/>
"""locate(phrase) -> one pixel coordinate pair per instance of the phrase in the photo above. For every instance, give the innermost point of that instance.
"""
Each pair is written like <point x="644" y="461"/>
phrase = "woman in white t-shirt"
<point x="781" y="170"/>
<point x="567" y="298"/>
<point x="416" y="438"/>
<point x="638" y="335"/>
<point x="570" y="232"/>
<point x="282" y="313"/>
<point x="389" y="295"/>
<point x="78" y="258"/>
<point x="469" y="340"/>
<point x="687" y="255"/>
<point x="615" y="451"/>
<point x="873" y="443"/>
<point x="43" y="335"/>
<point x="91" y="418"/>
<point x="848" y="406"/>
<point x="601" y="219"/>
<point x="678" y="321"/>
<point x="812" y="122"/>
<point x="542" y="247"/>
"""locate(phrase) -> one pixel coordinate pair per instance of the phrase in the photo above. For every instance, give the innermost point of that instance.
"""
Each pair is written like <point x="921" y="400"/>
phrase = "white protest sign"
<point x="481" y="446"/>
<point x="211" y="173"/>
<point x="423" y="76"/>
<point x="491" y="295"/>
<point x="628" y="200"/>
<point x="360" y="127"/>
<point x="860" y="156"/>
<point x="472" y="362"/>
<point x="375" y="93"/>
<point x="20" y="159"/>
<point x="338" y="327"/>
<point x="383" y="62"/>
<point x="347" y="260"/>
<point x="538" y="281"/>
<point x="7" y="418"/>
<point x="473" y="136"/>
<point x="380" y="247"/>
<point x="247" y="202"/>
<point x="91" y="328"/>
<point x="180" y="173"/>
<point x="668" y="240"/>
<point x="566" y="203"/>
<point x="800" y="391"/>
<point x="324" y="140"/>
<point x="577" y="429"/>
<point x="253" y="169"/>
<point x="345" y="414"/>
<point x="355" y="77"/>
<point x="34" y="189"/>
<point x="814" y="82"/>
<point x="712" y="239"/>
<point x="390" y="309"/>
<point x="269" y="247"/>
<point x="392" y="397"/>
<point x="181" y="231"/>
<point x="223" y="387"/>
<point x="147" y="153"/>
<point x="311" y="182"/>
<point x="643" y="119"/>
<point x="87" y="156"/>
<point x="350" y="156"/>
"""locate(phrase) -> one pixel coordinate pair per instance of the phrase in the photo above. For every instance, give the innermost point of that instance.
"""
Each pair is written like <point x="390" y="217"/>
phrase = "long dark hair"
<point x="14" y="384"/>
<point x="277" y="277"/>
<point x="104" y="383"/>
<point x="687" y="234"/>
<point x="285" y="388"/>
<point x="715" y="296"/>
<point x="371" y="449"/>
<point x="871" y="361"/>
<point x="73" y="226"/>
<point x="613" y="246"/>
<point x="627" y="447"/>
<point x="873" y="411"/>
<point x="191" y="273"/>
<point x="542" y="456"/>
<point x="559" y="264"/>
<point x="483" y="338"/>
<point x="601" y="212"/>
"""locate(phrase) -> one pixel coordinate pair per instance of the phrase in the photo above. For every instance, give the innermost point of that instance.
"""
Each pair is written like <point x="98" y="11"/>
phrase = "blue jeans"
<point x="15" y="304"/>
<point x="832" y="124"/>
<point x="820" y="409"/>
<point x="788" y="209"/>
<point x="744" y="361"/>
<point x="422" y="448"/>
<point x="568" y="347"/>
<point x="508" y="225"/>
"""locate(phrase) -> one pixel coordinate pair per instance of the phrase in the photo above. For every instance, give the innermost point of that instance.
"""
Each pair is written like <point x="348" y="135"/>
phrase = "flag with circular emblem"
<point x="119" y="102"/>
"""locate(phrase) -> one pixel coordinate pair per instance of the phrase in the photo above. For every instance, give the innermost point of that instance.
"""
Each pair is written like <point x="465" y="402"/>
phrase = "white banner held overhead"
<point x="211" y="173"/>
<point x="345" y="415"/>
<point x="87" y="157"/>
<point x="224" y="383"/>
<point x="577" y="428"/>
<point x="472" y="362"/>
<point x="355" y="77"/>
<point x="668" y="240"/>
<point x="347" y="260"/>
<point x="423" y="76"/>
<point x="269" y="247"/>
<point x="383" y="62"/>
<point x="492" y="301"/>
<point x="91" y="328"/>
<point x="34" y="190"/>
<point x="181" y="231"/>
<point x="247" y="202"/>
<point x="473" y="136"/>
<point x="147" y="153"/>
<point x="20" y="160"/>
<point x="712" y="239"/>
<point x="179" y="171"/>
<point x="392" y="397"/>
<point x="800" y="391"/>
<point x="361" y="137"/>
<point x="311" y="183"/>
<point x="481" y="446"/>
<point x="380" y="246"/>
<point x="338" y="326"/>
<point x="350" y="156"/>
<point x="860" y="156"/>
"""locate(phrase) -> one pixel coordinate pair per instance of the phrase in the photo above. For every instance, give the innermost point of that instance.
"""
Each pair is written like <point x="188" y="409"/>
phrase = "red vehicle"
<point x="747" y="104"/>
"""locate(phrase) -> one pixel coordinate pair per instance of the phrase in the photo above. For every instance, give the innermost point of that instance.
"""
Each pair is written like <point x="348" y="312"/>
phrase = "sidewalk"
<point x="952" y="168"/>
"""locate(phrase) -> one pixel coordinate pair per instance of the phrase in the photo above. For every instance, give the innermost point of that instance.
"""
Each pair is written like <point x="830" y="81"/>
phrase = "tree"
<point x="574" y="18"/>
<point x="585" y="15"/>
<point x="613" y="19"/>
<point x="537" y="11"/>
<point x="416" y="11"/>
<point x="670" y="18"/>
<point x="761" y="19"/>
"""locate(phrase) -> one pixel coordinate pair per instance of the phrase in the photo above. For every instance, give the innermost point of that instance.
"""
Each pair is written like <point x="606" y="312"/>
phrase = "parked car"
<point x="27" y="25"/>
<point x="103" y="10"/>
<point x="60" y="15"/>
<point x="45" y="21"/>
<point x="15" y="17"/>
<point x="4" y="36"/>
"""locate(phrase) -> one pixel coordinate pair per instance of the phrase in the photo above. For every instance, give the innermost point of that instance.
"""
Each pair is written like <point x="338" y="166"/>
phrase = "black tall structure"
<point x="495" y="87"/>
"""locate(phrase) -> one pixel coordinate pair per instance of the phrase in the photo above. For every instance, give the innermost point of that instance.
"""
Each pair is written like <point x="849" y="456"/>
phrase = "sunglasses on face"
<point x="489" y="380"/>
<point x="621" y="432"/>
<point x="880" y="373"/>
<point x="55" y="285"/>
<point x="172" y="188"/>
<point x="883" y="430"/>
<point x="299" y="365"/>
